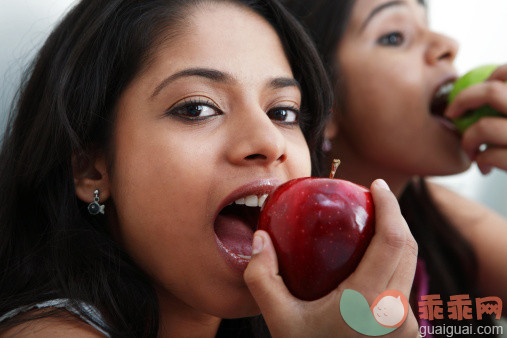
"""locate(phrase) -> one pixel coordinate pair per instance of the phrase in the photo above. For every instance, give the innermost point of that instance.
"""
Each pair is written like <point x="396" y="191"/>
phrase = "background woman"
<point x="387" y="66"/>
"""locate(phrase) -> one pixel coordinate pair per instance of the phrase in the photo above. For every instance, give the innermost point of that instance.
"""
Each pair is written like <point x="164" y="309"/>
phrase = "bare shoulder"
<point x="462" y="212"/>
<point x="60" y="326"/>
<point x="485" y="230"/>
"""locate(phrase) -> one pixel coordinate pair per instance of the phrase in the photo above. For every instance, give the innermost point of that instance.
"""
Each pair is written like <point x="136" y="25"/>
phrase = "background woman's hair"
<point x="50" y="247"/>
<point x="449" y="259"/>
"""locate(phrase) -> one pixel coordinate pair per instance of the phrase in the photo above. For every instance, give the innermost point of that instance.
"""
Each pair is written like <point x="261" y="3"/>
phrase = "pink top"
<point x="421" y="288"/>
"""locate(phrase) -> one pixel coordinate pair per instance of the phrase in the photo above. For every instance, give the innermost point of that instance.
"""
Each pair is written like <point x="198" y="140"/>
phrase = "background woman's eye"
<point x="391" y="39"/>
<point x="285" y="115"/>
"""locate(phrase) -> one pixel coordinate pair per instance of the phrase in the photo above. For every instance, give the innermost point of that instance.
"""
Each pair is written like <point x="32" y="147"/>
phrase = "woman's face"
<point x="212" y="120"/>
<point x="392" y="66"/>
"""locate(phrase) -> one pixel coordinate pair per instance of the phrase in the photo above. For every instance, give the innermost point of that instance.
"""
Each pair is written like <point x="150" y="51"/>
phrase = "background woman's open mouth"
<point x="439" y="103"/>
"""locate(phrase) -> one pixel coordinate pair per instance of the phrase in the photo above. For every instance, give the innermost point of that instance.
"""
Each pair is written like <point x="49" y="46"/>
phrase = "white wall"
<point x="479" y="26"/>
<point x="24" y="25"/>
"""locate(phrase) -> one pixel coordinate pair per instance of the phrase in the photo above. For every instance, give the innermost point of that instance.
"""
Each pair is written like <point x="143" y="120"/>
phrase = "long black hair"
<point x="449" y="259"/>
<point x="50" y="247"/>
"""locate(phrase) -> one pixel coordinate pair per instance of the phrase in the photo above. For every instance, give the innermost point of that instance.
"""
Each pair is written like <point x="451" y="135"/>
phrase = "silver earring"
<point x="95" y="208"/>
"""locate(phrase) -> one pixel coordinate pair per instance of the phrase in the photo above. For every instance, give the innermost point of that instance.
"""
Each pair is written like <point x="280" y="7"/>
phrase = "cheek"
<point x="159" y="180"/>
<point x="155" y="170"/>
<point x="383" y="81"/>
<point x="299" y="160"/>
<point x="385" y="95"/>
<point x="380" y="102"/>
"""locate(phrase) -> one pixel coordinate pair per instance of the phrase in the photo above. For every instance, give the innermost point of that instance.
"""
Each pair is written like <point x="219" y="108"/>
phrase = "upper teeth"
<point x="252" y="200"/>
<point x="445" y="89"/>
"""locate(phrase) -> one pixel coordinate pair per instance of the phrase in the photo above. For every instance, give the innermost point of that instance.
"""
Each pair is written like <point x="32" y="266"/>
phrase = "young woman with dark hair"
<point x="138" y="124"/>
<point x="386" y="67"/>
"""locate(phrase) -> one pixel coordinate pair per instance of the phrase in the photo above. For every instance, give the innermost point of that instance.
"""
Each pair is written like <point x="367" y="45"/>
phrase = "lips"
<point x="236" y="221"/>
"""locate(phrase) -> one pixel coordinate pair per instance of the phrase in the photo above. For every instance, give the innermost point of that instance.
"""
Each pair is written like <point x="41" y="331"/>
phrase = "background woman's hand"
<point x="488" y="130"/>
<point x="389" y="263"/>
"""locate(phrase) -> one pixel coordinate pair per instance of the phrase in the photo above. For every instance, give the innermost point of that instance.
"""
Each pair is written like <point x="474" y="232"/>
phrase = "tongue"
<point x="235" y="234"/>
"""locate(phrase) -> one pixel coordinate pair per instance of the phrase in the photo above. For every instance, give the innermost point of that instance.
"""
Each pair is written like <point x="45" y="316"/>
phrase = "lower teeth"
<point x="244" y="257"/>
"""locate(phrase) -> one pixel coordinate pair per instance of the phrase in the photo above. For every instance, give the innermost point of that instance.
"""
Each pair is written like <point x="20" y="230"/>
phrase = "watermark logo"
<point x="389" y="311"/>
<point x="459" y="307"/>
<point x="386" y="314"/>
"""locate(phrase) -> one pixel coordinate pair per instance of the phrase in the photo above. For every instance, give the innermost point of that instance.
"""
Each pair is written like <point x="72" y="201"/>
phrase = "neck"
<point x="178" y="319"/>
<point x="360" y="170"/>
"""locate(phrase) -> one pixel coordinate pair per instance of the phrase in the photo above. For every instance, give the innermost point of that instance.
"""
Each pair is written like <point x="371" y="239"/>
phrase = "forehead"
<point x="225" y="36"/>
<point x="364" y="10"/>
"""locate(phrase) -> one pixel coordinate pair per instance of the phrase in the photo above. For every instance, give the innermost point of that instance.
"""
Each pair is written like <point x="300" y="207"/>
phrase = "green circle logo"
<point x="386" y="314"/>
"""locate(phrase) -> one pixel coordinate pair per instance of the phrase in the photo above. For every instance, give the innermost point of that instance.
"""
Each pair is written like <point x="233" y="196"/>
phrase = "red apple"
<point x="320" y="229"/>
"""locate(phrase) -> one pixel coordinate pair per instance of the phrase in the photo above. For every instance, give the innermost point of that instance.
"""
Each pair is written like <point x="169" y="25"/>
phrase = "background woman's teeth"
<point x="252" y="201"/>
<point x="240" y="201"/>
<point x="445" y="89"/>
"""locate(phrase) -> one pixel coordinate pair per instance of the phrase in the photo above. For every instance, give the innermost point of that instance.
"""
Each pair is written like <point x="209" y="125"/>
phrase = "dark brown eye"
<point x="194" y="110"/>
<point x="283" y="114"/>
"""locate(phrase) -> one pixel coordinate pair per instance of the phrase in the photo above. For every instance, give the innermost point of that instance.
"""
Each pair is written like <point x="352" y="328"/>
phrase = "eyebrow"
<point x="219" y="76"/>
<point x="284" y="82"/>
<point x="379" y="9"/>
<point x="210" y="74"/>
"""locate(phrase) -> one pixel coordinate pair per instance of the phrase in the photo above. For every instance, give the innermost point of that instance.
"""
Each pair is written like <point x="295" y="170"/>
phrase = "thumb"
<point x="262" y="278"/>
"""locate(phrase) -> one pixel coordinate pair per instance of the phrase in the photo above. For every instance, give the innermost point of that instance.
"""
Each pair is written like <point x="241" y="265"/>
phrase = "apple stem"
<point x="334" y="167"/>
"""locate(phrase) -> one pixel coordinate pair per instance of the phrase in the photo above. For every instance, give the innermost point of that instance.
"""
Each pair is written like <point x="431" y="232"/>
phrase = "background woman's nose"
<point x="257" y="141"/>
<point x="441" y="48"/>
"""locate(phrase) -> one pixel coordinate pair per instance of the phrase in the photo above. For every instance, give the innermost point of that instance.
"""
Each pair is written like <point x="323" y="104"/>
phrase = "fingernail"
<point x="257" y="245"/>
<point x="382" y="184"/>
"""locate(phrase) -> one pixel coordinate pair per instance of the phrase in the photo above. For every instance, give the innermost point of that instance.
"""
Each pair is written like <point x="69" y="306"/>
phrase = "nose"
<point x="256" y="140"/>
<point x="441" y="48"/>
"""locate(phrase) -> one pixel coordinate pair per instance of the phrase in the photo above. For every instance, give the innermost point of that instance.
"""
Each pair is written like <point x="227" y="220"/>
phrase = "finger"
<point x="492" y="93"/>
<point x="262" y="278"/>
<point x="488" y="130"/>
<point x="403" y="276"/>
<point x="388" y="243"/>
<point x="492" y="157"/>
<point x="500" y="74"/>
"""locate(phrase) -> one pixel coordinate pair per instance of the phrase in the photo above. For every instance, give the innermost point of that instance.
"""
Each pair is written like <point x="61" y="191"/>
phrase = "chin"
<point x="234" y="305"/>
<point x="230" y="302"/>
<point x="462" y="164"/>
<point x="457" y="167"/>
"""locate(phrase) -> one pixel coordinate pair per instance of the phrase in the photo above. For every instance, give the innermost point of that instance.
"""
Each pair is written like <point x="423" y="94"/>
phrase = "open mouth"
<point x="235" y="224"/>
<point x="438" y="105"/>
<point x="440" y="99"/>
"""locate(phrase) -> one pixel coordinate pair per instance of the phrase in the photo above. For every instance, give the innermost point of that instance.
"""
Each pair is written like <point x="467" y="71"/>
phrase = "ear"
<point x="331" y="127"/>
<point x="90" y="174"/>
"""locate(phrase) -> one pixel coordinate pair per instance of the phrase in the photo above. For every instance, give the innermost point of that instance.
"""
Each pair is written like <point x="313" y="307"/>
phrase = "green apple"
<point x="476" y="75"/>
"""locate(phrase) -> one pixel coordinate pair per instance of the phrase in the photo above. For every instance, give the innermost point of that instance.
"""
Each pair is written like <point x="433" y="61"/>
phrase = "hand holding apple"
<point x="489" y="101"/>
<point x="475" y="76"/>
<point x="388" y="263"/>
